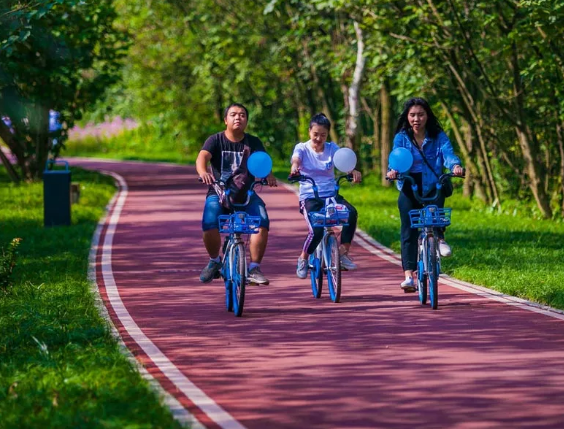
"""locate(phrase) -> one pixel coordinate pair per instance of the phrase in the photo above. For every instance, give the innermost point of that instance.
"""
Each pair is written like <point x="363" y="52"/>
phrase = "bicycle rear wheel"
<point x="316" y="272"/>
<point x="239" y="273"/>
<point x="421" y="276"/>
<point x="333" y="265"/>
<point x="432" y="272"/>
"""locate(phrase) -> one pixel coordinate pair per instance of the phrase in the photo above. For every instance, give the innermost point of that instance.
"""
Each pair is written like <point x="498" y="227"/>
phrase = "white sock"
<point x="253" y="265"/>
<point x="216" y="259"/>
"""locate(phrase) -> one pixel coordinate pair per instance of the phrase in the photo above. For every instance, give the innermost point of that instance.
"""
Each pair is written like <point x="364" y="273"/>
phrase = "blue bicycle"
<point x="234" y="262"/>
<point x="326" y="259"/>
<point x="427" y="220"/>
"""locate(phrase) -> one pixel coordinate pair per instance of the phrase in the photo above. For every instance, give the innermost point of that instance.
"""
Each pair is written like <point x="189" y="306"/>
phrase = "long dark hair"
<point x="433" y="126"/>
<point x="321" y="120"/>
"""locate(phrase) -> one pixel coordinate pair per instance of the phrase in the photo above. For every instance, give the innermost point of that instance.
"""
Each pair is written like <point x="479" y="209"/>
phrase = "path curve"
<point x="376" y="360"/>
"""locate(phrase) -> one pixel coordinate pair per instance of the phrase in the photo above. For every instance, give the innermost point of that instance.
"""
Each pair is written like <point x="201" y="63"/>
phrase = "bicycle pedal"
<point x="217" y="275"/>
<point x="409" y="290"/>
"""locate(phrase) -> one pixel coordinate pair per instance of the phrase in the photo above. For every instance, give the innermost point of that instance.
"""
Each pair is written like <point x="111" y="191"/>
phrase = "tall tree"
<point x="54" y="55"/>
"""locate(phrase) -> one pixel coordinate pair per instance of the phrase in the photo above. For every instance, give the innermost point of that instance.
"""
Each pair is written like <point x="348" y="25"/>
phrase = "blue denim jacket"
<point x="439" y="154"/>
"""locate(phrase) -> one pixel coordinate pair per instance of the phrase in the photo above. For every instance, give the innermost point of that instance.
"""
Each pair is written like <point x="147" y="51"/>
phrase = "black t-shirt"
<point x="227" y="155"/>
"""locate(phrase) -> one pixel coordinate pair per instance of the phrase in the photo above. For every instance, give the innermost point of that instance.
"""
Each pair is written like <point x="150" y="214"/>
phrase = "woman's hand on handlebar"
<point x="392" y="175"/>
<point x="457" y="170"/>
<point x="207" y="178"/>
<point x="356" y="176"/>
<point x="271" y="180"/>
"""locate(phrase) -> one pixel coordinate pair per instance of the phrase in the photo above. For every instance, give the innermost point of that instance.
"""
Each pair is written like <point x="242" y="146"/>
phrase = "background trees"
<point x="54" y="55"/>
<point x="493" y="72"/>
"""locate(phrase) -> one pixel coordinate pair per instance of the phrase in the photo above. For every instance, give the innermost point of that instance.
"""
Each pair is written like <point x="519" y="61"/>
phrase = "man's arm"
<point x="204" y="158"/>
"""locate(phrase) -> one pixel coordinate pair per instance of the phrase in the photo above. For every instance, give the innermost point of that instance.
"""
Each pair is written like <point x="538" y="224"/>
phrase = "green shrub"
<point x="8" y="262"/>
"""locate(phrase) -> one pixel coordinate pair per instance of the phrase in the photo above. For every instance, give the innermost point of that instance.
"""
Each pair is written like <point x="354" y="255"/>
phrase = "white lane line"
<point x="217" y="414"/>
<point x="368" y="243"/>
<point x="179" y="413"/>
<point x="383" y="252"/>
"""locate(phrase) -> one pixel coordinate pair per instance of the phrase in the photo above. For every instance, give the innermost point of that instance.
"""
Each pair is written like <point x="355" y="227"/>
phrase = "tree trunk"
<point x="41" y="134"/>
<point x="9" y="140"/>
<point x="354" y="91"/>
<point x="14" y="176"/>
<point x="321" y="94"/>
<point x="374" y="115"/>
<point x="526" y="141"/>
<point x="385" y="130"/>
<point x="560" y="138"/>
<point x="470" y="111"/>
<point x="465" y="145"/>
<point x="532" y="168"/>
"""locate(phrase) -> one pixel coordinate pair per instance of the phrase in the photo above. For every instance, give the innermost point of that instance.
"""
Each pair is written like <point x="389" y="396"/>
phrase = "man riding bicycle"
<point x="224" y="151"/>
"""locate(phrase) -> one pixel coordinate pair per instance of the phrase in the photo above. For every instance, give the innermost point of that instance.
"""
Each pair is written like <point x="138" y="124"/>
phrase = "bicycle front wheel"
<point x="333" y="265"/>
<point x="239" y="279"/>
<point x="422" y="275"/>
<point x="316" y="272"/>
<point x="227" y="278"/>
<point x="432" y="272"/>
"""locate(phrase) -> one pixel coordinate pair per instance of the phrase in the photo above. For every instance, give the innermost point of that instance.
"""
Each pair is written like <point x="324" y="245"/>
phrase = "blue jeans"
<point x="213" y="209"/>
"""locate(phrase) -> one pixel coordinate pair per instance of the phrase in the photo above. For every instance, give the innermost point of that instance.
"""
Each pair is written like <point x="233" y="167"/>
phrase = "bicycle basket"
<point x="333" y="215"/>
<point x="240" y="223"/>
<point x="430" y="216"/>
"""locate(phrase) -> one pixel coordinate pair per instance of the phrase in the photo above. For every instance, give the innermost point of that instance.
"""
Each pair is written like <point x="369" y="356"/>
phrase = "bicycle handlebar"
<point x="304" y="178"/>
<point x="221" y="185"/>
<point x="438" y="185"/>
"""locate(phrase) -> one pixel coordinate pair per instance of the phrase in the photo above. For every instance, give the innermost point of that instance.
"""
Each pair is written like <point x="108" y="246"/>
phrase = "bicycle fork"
<point x="228" y="246"/>
<point x="423" y="257"/>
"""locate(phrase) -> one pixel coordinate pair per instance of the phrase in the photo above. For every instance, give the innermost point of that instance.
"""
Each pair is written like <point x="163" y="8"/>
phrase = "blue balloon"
<point x="259" y="164"/>
<point x="400" y="159"/>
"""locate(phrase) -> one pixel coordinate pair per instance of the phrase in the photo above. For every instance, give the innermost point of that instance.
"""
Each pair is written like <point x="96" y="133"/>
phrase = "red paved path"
<point x="376" y="360"/>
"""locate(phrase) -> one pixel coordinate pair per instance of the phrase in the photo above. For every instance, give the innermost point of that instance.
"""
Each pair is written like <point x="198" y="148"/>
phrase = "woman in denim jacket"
<point x="418" y="129"/>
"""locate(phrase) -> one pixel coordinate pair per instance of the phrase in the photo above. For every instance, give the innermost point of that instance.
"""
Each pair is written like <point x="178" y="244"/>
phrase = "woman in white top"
<point x="314" y="158"/>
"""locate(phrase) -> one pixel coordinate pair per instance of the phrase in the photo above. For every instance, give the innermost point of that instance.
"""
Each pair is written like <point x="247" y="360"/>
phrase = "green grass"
<point x="146" y="143"/>
<point x="509" y="252"/>
<point x="59" y="365"/>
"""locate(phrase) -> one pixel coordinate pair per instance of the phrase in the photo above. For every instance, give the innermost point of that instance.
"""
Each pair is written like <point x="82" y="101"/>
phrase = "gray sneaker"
<point x="210" y="272"/>
<point x="347" y="263"/>
<point x="256" y="276"/>
<point x="301" y="270"/>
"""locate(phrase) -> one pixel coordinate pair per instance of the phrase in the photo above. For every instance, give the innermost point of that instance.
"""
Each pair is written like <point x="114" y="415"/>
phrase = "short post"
<point x="56" y="194"/>
<point x="75" y="192"/>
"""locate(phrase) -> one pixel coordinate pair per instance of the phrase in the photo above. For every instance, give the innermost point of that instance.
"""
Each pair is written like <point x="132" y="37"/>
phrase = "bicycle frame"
<point x="234" y="261"/>
<point x="427" y="220"/>
<point x="325" y="258"/>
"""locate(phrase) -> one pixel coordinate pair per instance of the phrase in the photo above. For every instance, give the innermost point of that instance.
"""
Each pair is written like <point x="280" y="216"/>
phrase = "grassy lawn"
<point x="509" y="252"/>
<point x="59" y="365"/>
<point x="145" y="143"/>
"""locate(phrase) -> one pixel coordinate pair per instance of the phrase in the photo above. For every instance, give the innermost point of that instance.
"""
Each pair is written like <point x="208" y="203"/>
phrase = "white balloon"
<point x="345" y="160"/>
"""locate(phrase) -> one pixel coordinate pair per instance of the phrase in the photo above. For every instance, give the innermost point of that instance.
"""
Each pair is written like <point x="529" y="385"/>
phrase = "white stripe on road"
<point x="217" y="414"/>
<point x="368" y="243"/>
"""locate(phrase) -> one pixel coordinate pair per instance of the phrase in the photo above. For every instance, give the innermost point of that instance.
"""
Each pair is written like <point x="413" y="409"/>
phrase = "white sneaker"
<point x="407" y="285"/>
<point x="347" y="263"/>
<point x="301" y="270"/>
<point x="444" y="249"/>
